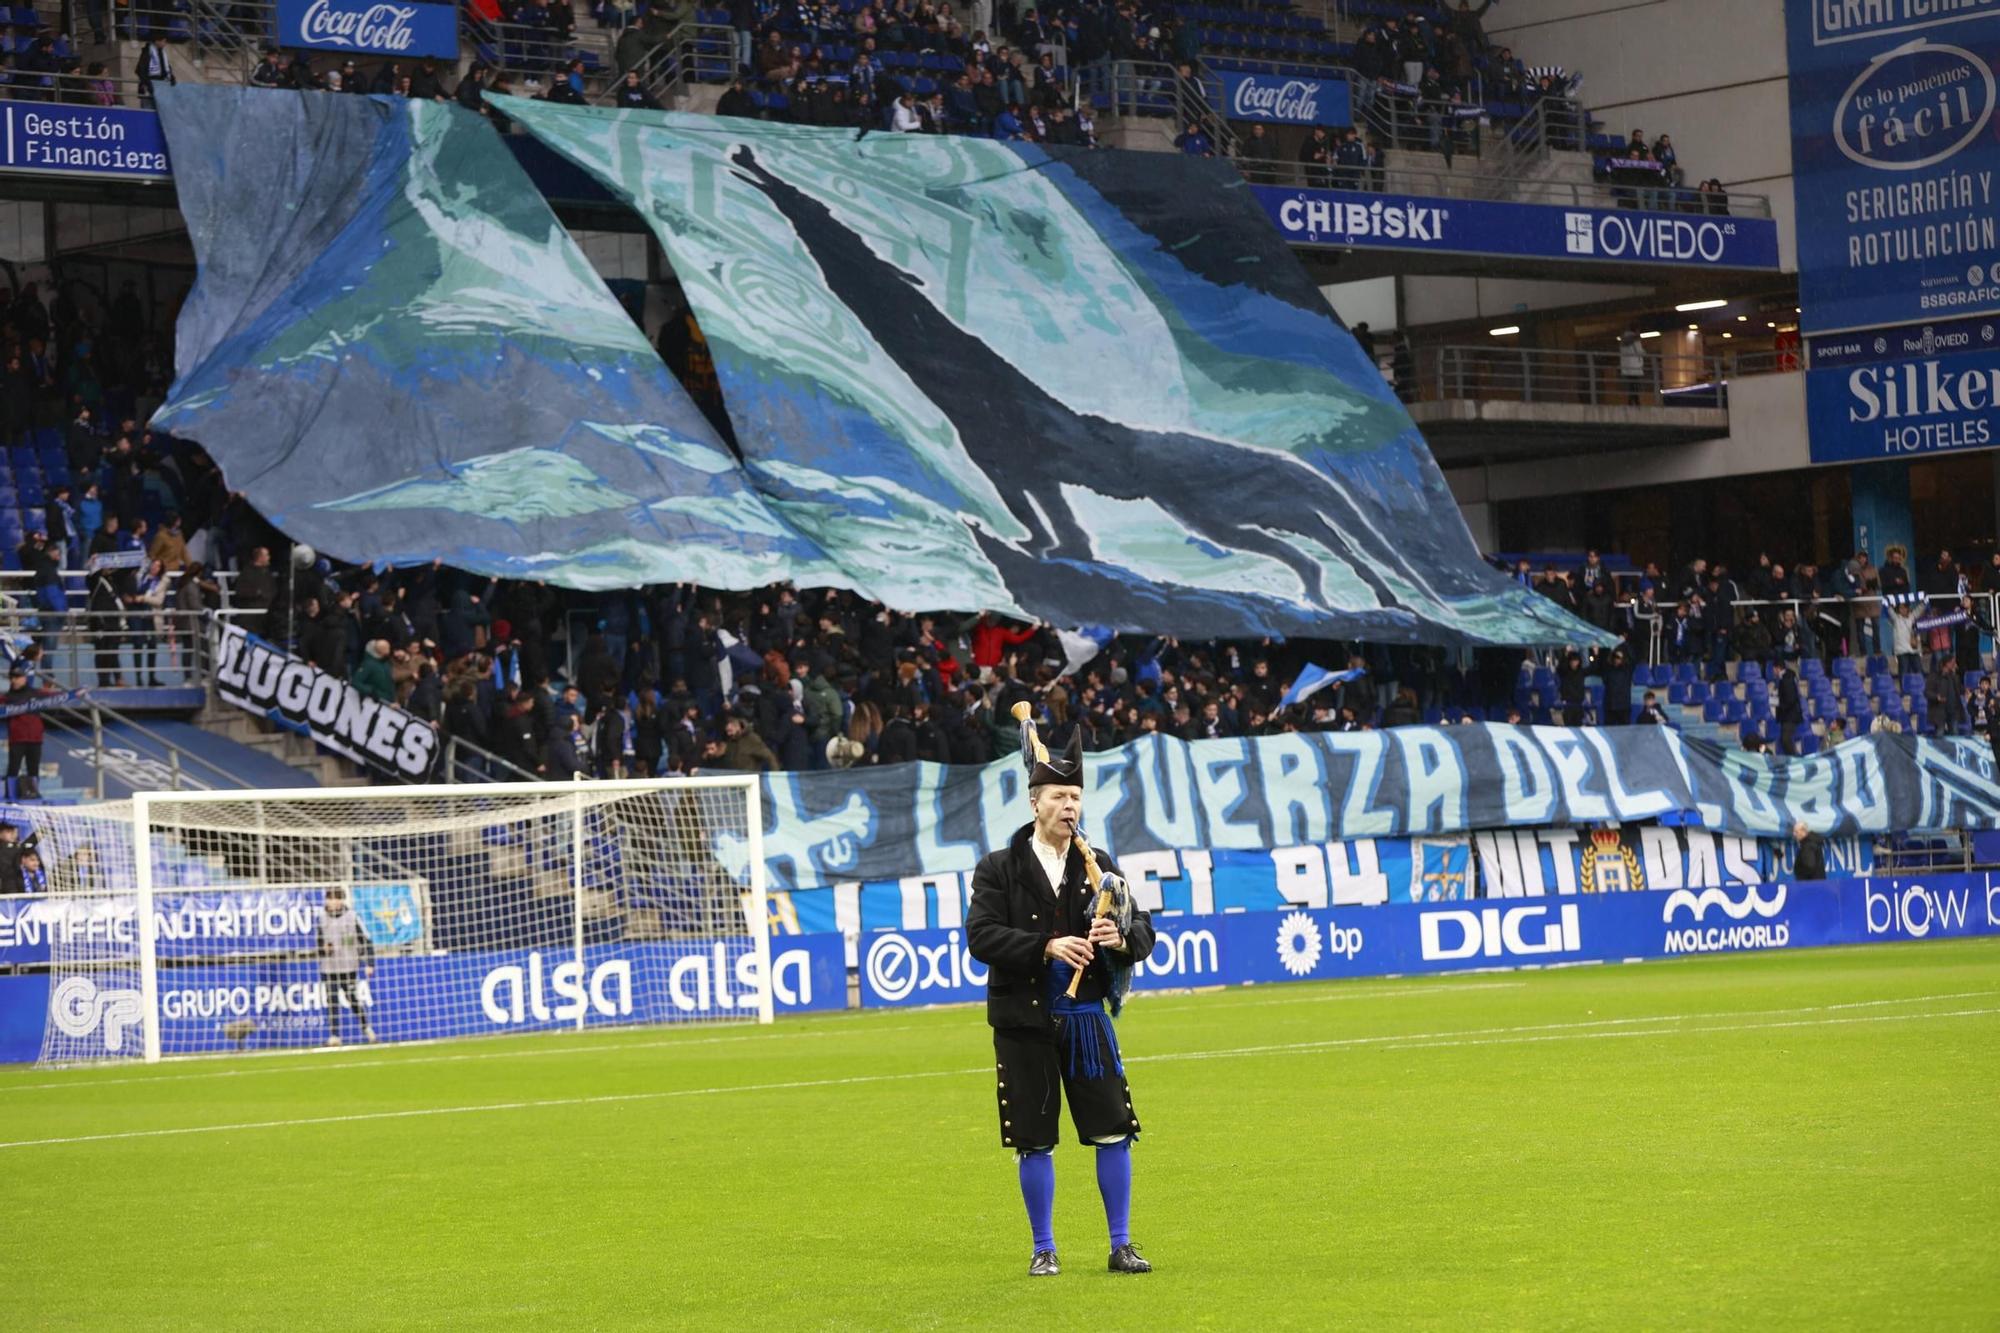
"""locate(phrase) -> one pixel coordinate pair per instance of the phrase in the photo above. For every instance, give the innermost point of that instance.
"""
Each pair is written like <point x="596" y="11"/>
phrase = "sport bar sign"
<point x="295" y="694"/>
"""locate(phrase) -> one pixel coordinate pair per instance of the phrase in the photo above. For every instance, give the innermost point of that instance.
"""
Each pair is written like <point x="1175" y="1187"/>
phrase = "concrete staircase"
<point x="288" y="747"/>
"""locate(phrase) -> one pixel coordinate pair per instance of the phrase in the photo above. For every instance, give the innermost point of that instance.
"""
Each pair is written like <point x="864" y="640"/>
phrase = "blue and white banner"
<point x="258" y="675"/>
<point x="1286" y="101"/>
<point x="1307" y="944"/>
<point x="369" y="28"/>
<point x="82" y="140"/>
<point x="1894" y="160"/>
<point x="203" y="923"/>
<point x="1531" y="231"/>
<point x="1906" y="409"/>
<point x="433" y="996"/>
<point x="1162" y="794"/>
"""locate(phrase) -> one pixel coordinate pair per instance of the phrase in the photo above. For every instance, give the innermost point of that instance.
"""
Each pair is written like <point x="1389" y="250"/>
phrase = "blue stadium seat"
<point x="1748" y="671"/>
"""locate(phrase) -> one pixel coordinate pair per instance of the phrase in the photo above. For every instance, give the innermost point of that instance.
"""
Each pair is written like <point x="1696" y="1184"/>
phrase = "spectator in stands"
<point x="269" y="73"/>
<point x="1714" y="198"/>
<point x="1809" y="860"/>
<point x="633" y="96"/>
<point x="1650" y="713"/>
<point x="371" y="677"/>
<point x="14" y="849"/>
<point x="256" y="587"/>
<point x="1944" y="691"/>
<point x="24" y="734"/>
<point x="904" y="117"/>
<point x="1632" y="365"/>
<point x="1670" y="168"/>
<point x="1194" y="141"/>
<point x="736" y="101"/>
<point x="1316" y="158"/>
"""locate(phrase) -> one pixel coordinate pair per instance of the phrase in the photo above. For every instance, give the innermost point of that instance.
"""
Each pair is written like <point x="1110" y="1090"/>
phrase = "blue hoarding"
<point x="369" y="28"/>
<point x="82" y="140"/>
<point x="202" y="923"/>
<point x="935" y="967"/>
<point x="1527" y="231"/>
<point x="1894" y="157"/>
<point x="1875" y="410"/>
<point x="1287" y="101"/>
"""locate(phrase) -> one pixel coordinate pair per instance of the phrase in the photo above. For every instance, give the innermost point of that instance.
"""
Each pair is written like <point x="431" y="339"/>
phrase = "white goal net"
<point x="247" y="921"/>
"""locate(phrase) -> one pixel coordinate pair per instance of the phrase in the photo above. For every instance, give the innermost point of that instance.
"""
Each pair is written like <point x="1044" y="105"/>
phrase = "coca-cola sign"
<point x="1287" y="101"/>
<point x="370" y="27"/>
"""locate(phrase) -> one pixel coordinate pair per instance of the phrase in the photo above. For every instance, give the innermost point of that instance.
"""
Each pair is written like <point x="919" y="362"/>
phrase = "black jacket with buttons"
<point x="1013" y="917"/>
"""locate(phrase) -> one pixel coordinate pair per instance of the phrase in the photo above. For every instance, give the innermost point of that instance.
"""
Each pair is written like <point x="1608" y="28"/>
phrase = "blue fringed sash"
<point x="1085" y="1035"/>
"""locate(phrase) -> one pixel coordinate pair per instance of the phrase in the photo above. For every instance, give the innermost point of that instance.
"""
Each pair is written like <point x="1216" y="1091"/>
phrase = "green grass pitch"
<point x="1801" y="1140"/>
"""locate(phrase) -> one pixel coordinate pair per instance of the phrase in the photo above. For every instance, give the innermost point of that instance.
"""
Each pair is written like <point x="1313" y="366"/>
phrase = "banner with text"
<point x="1162" y="794"/>
<point x="1905" y="392"/>
<point x="1894" y="160"/>
<point x="426" y="997"/>
<point x="1286" y="101"/>
<point x="82" y="140"/>
<point x="1509" y="863"/>
<point x="204" y="923"/>
<point x="937" y="966"/>
<point x="266" y="679"/>
<point x="370" y="28"/>
<point x="1530" y="231"/>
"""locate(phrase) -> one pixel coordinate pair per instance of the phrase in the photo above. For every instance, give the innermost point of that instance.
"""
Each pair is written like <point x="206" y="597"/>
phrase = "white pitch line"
<point x="1407" y="1041"/>
<point x="603" y="1046"/>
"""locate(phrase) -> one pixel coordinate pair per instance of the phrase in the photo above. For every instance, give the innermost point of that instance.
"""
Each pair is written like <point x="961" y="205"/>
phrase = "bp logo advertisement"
<point x="1894" y="153"/>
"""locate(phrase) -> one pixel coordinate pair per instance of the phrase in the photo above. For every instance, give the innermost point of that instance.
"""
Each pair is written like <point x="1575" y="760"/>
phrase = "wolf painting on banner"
<point x="1093" y="386"/>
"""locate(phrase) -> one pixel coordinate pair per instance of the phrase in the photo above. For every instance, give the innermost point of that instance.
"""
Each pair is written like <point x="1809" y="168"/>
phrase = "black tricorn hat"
<point x="1043" y="768"/>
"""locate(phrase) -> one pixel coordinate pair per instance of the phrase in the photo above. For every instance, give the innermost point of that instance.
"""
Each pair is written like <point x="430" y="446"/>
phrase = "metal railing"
<point x="1540" y="375"/>
<point x="1147" y="88"/>
<point x="691" y="53"/>
<point x="161" y="764"/>
<point x="234" y="30"/>
<point x="98" y="650"/>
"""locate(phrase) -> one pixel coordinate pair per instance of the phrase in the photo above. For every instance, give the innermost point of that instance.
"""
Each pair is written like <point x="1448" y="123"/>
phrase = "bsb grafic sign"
<point x="1895" y="157"/>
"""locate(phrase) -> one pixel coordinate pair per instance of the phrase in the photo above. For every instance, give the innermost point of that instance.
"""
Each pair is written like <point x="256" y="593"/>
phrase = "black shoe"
<point x="1044" y="1264"/>
<point x="1125" y="1259"/>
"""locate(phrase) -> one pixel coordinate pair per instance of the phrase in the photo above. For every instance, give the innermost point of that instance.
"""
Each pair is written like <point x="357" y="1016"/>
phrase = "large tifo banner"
<point x="1163" y="794"/>
<point x="267" y="680"/>
<point x="937" y="967"/>
<point x="1904" y="392"/>
<point x="1895" y="159"/>
<point x="1529" y="231"/>
<point x="370" y="27"/>
<point x="1093" y="385"/>
<point x="536" y="432"/>
<point x="82" y="140"/>
<point x="1286" y="101"/>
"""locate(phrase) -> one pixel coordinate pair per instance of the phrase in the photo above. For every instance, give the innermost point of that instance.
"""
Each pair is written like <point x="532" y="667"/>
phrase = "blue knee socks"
<point x="1038" y="1191"/>
<point x="1114" y="1183"/>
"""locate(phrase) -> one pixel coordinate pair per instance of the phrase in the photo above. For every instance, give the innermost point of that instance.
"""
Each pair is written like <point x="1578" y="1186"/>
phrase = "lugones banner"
<point x="264" y="678"/>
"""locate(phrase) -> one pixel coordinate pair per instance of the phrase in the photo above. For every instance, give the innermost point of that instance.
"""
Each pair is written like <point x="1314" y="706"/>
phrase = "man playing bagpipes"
<point x="1056" y="927"/>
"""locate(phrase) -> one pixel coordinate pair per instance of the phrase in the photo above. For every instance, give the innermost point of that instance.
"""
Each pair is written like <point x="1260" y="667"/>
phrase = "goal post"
<point x="287" y="919"/>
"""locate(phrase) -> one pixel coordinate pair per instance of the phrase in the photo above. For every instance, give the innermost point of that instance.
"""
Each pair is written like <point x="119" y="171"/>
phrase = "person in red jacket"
<point x="24" y="735"/>
<point x="991" y="640"/>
